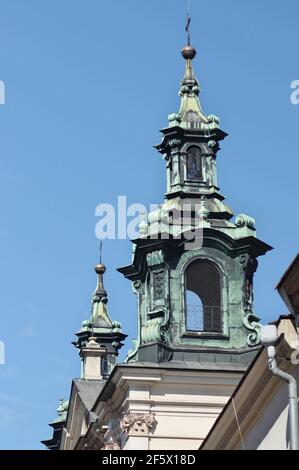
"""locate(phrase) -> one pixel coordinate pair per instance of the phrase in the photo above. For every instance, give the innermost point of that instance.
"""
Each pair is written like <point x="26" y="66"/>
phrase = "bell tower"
<point x="192" y="272"/>
<point x="193" y="264"/>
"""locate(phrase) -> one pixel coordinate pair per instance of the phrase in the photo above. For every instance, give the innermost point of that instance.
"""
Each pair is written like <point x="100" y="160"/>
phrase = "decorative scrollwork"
<point x="244" y="220"/>
<point x="251" y="322"/>
<point x="174" y="117"/>
<point x="155" y="330"/>
<point x="133" y="351"/>
<point x="214" y="119"/>
<point x="137" y="285"/>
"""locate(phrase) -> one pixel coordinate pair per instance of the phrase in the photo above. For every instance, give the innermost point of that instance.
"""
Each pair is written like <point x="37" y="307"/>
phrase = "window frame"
<point x="187" y="179"/>
<point x="223" y="333"/>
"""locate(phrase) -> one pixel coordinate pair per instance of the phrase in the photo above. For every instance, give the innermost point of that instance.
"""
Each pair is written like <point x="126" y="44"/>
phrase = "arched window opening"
<point x="194" y="164"/>
<point x="203" y="298"/>
<point x="195" y="312"/>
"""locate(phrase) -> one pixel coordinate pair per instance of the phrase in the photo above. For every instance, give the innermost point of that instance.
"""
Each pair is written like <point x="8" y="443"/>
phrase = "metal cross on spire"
<point x="101" y="249"/>
<point x="187" y="29"/>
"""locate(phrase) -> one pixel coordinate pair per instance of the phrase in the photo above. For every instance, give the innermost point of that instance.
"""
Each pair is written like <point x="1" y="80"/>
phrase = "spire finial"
<point x="188" y="52"/>
<point x="100" y="299"/>
<point x="60" y="407"/>
<point x="101" y="248"/>
<point x="187" y="29"/>
<point x="190" y="115"/>
<point x="100" y="270"/>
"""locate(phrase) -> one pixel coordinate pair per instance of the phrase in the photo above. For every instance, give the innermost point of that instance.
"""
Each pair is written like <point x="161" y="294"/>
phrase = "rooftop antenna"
<point x="187" y="29"/>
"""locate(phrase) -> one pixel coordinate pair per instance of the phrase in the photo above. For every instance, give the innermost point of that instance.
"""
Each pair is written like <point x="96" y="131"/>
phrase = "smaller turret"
<point x="57" y="425"/>
<point x="100" y="329"/>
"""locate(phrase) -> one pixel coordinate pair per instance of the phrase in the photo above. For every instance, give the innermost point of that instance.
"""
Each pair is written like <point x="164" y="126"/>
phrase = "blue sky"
<point x="88" y="86"/>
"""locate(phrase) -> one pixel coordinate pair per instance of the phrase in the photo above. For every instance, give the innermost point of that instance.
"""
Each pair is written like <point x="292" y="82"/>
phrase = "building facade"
<point x="257" y="416"/>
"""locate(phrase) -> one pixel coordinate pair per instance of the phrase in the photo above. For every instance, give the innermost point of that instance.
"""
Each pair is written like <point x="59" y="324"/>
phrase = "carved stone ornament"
<point x="249" y="266"/>
<point x="137" y="424"/>
<point x="213" y="118"/>
<point x="158" y="284"/>
<point x="155" y="258"/>
<point x="250" y="321"/>
<point x="155" y="330"/>
<point x="243" y="220"/>
<point x="111" y="446"/>
<point x="212" y="144"/>
<point x="174" y="143"/>
<point x="137" y="284"/>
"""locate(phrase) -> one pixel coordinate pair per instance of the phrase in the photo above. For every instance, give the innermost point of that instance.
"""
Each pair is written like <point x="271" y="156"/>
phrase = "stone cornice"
<point x="123" y="376"/>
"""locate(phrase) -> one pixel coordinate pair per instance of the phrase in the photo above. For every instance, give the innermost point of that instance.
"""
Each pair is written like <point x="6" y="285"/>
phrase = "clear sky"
<point x="89" y="83"/>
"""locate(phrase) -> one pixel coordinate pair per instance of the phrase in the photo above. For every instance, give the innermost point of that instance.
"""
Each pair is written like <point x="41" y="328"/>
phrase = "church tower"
<point x="193" y="264"/>
<point x="192" y="272"/>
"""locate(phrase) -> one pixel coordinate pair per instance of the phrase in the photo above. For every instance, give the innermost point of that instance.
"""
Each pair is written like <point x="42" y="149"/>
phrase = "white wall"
<point x="184" y="405"/>
<point x="270" y="431"/>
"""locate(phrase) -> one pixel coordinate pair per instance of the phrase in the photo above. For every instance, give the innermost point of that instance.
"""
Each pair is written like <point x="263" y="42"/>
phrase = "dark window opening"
<point x="194" y="164"/>
<point x="203" y="298"/>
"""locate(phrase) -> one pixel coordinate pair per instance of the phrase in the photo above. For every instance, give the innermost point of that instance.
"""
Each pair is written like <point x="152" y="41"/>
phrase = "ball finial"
<point x="188" y="52"/>
<point x="100" y="268"/>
